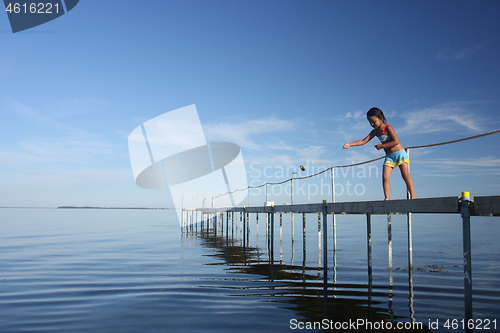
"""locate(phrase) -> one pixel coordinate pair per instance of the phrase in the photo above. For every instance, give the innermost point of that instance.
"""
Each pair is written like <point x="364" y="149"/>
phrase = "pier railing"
<point x="332" y="170"/>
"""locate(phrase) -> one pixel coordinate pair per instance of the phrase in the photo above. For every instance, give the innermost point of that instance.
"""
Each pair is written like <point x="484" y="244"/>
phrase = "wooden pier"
<point x="480" y="206"/>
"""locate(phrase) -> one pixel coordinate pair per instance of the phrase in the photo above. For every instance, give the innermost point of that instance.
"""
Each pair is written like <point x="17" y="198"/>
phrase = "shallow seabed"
<point x="89" y="270"/>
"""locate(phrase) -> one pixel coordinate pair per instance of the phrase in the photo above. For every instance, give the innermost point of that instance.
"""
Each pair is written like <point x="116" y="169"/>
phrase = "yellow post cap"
<point x="465" y="194"/>
<point x="324" y="201"/>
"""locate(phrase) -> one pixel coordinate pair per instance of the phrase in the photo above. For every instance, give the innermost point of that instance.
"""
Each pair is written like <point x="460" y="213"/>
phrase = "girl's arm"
<point x="360" y="142"/>
<point x="393" y="135"/>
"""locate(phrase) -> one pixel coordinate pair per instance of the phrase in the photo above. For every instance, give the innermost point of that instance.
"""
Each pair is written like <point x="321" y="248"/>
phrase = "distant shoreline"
<point x="86" y="207"/>
<point x="91" y="207"/>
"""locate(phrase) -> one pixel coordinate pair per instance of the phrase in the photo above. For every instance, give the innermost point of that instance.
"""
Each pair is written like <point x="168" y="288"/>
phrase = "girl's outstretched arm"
<point x="360" y="142"/>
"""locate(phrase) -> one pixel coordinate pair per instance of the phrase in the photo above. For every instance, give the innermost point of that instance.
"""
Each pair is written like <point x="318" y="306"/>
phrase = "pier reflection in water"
<point x="248" y="244"/>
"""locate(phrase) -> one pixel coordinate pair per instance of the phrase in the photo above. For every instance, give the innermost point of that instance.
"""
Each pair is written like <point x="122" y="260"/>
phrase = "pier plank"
<point x="487" y="206"/>
<point x="483" y="206"/>
<point x="441" y="205"/>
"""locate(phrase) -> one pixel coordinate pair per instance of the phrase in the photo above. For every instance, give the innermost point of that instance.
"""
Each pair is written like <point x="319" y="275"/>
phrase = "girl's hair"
<point x="376" y="112"/>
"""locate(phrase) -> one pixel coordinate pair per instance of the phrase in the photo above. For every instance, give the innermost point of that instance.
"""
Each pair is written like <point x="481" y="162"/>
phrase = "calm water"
<point x="64" y="270"/>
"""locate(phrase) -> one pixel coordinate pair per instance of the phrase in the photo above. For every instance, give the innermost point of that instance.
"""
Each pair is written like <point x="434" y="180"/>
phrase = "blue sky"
<point x="289" y="81"/>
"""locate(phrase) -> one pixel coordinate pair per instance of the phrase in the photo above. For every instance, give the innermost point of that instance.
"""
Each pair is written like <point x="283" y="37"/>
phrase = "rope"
<point x="366" y="162"/>
<point x="453" y="141"/>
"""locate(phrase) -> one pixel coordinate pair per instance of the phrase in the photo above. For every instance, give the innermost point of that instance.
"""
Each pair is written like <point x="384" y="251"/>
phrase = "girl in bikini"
<point x="395" y="154"/>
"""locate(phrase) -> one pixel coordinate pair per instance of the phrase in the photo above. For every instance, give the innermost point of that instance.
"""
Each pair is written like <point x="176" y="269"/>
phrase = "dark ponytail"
<point x="376" y="112"/>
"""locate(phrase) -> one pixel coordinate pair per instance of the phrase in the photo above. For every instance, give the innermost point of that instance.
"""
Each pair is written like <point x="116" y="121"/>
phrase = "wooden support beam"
<point x="443" y="205"/>
<point x="483" y="206"/>
<point x="487" y="206"/>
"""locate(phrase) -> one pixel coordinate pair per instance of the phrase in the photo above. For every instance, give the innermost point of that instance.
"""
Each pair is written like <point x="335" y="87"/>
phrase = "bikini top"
<point x="384" y="136"/>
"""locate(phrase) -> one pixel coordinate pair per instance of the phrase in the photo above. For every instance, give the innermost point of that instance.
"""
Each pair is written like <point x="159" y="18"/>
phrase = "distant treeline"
<point x="90" y="207"/>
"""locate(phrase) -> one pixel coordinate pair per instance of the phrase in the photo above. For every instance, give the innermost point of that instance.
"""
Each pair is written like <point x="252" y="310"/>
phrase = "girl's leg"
<point x="386" y="176"/>
<point x="405" y="173"/>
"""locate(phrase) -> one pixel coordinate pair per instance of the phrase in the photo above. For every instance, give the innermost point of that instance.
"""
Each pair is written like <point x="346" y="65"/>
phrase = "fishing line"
<point x="328" y="155"/>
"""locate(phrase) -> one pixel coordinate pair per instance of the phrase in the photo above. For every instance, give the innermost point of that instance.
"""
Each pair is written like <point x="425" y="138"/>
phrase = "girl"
<point x="395" y="154"/>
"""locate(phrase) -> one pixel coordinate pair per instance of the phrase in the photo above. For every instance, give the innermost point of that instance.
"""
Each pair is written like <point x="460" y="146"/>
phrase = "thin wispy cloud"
<point x="310" y="151"/>
<point x="75" y="177"/>
<point x="267" y="141"/>
<point x="44" y="140"/>
<point x="347" y="126"/>
<point x="51" y="151"/>
<point x="483" y="162"/>
<point x="352" y="125"/>
<point x="249" y="134"/>
<point x="355" y="115"/>
<point x="451" y="167"/>
<point x="442" y="118"/>
<point x="32" y="115"/>
<point x="73" y="107"/>
<point x="447" y="54"/>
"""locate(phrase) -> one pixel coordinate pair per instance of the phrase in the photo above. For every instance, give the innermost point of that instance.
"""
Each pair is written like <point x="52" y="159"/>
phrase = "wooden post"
<point x="208" y="222"/>
<point x="227" y="230"/>
<point x="325" y="243"/>
<point x="369" y="242"/>
<point x="325" y="261"/>
<point x="232" y="226"/>
<point x="370" y="275"/>
<point x="334" y="230"/>
<point x="391" y="276"/>
<point x="293" y="236"/>
<point x="244" y="238"/>
<point x="389" y="239"/>
<point x="333" y="185"/>
<point x="268" y="234"/>
<point x="240" y="226"/>
<point x="272" y="234"/>
<point x="410" y="237"/>
<point x="465" y="212"/>
<point x="303" y="239"/>
<point x="293" y="223"/>
<point x="248" y="228"/>
<point x="182" y="211"/>
<point x="215" y="229"/>
<point x="257" y="230"/>
<point x="281" y="237"/>
<point x="319" y="241"/>
<point x="267" y="217"/>
<point x="244" y="230"/>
